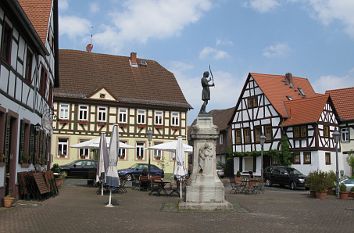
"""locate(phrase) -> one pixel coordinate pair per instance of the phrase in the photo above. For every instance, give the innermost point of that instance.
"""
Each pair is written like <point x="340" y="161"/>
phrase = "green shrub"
<point x="352" y="190"/>
<point x="342" y="188"/>
<point x="55" y="168"/>
<point x="319" y="181"/>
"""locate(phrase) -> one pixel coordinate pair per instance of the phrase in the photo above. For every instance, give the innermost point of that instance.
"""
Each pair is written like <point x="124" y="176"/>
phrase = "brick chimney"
<point x="133" y="61"/>
<point x="89" y="47"/>
<point x="289" y="79"/>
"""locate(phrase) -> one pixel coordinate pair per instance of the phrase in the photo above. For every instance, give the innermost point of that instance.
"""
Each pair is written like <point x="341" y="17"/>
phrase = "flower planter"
<point x="59" y="181"/>
<point x="8" y="201"/>
<point x="344" y="195"/>
<point x="321" y="195"/>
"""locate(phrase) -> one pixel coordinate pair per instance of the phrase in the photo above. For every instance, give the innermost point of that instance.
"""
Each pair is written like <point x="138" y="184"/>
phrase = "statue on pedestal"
<point x="206" y="91"/>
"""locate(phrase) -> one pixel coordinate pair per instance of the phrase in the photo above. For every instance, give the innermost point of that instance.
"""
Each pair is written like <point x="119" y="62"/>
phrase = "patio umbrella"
<point x="112" y="178"/>
<point x="180" y="171"/>
<point x="103" y="161"/>
<point x="171" y="146"/>
<point x="95" y="144"/>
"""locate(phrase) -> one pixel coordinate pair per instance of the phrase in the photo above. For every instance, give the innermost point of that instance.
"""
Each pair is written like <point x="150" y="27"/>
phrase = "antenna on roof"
<point x="89" y="46"/>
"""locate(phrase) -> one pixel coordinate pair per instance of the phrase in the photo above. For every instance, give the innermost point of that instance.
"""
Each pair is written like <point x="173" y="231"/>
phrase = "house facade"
<point x="137" y="94"/>
<point x="28" y="73"/>
<point x="283" y="106"/>
<point x="343" y="103"/>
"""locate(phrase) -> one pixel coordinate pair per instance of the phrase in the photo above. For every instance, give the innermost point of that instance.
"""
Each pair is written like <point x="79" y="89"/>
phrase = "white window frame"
<point x="141" y="116"/>
<point x="345" y="134"/>
<point x="63" y="146"/>
<point x="122" y="115"/>
<point x="174" y="118"/>
<point x="158" y="118"/>
<point x="221" y="139"/>
<point x="122" y="153"/>
<point x="157" y="153"/>
<point x="85" y="153"/>
<point x="101" y="114"/>
<point x="83" y="113"/>
<point x="64" y="111"/>
<point x="140" y="147"/>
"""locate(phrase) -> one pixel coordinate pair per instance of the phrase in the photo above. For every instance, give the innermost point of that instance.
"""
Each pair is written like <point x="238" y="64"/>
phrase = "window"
<point x="141" y="116"/>
<point x="43" y="84"/>
<point x="64" y="111"/>
<point x="297" y="132"/>
<point x="257" y="133"/>
<point x="122" y="152"/>
<point x="83" y="112"/>
<point x="29" y="59"/>
<point x="252" y="101"/>
<point x="303" y="131"/>
<point x="296" y="158"/>
<point x="140" y="150"/>
<point x="248" y="162"/>
<point x="221" y="139"/>
<point x="345" y="134"/>
<point x="84" y="152"/>
<point x="102" y="114"/>
<point x="268" y="133"/>
<point x="158" y="117"/>
<point x="247" y="135"/>
<point x="301" y="91"/>
<point x="6" y="44"/>
<point x="238" y="136"/>
<point x="122" y="115"/>
<point x="307" y="157"/>
<point x="63" y="147"/>
<point x="174" y="119"/>
<point x="157" y="153"/>
<point x="328" y="158"/>
<point x="326" y="131"/>
<point x="289" y="97"/>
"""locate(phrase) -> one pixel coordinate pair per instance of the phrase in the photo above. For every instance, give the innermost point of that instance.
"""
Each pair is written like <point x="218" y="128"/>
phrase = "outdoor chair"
<point x="237" y="186"/>
<point x="144" y="183"/>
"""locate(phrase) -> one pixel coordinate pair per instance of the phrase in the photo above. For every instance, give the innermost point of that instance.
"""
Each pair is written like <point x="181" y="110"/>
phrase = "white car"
<point x="349" y="183"/>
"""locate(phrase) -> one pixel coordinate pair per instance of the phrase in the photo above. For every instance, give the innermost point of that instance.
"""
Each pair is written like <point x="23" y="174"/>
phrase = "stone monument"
<point x="206" y="191"/>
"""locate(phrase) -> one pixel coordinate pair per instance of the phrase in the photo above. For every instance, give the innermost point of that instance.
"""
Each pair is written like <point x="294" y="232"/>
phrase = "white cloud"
<point x="213" y="53"/>
<point x="263" y="6"/>
<point x="63" y="5"/>
<point x="276" y="50"/>
<point x="94" y="7"/>
<point x="223" y="95"/>
<point x="140" y="21"/>
<point x="224" y="42"/>
<point x="73" y="26"/>
<point x="327" y="11"/>
<point x="329" y="82"/>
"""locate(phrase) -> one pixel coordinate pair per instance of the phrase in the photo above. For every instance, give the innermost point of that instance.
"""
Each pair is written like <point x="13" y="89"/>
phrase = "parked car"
<point x="83" y="168"/>
<point x="137" y="169"/>
<point x="284" y="176"/>
<point x="348" y="182"/>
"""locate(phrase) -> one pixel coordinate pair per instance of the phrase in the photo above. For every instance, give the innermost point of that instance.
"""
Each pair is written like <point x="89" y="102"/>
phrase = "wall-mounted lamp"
<point x="37" y="127"/>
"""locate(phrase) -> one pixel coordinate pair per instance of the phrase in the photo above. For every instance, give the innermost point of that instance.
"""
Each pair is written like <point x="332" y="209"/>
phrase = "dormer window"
<point x="301" y="91"/>
<point x="289" y="97"/>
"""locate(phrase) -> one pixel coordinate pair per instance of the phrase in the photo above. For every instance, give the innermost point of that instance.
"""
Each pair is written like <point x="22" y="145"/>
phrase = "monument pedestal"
<point x="206" y="191"/>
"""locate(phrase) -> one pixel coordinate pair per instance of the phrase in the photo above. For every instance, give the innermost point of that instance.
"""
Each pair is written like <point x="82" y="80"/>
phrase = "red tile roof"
<point x="305" y="111"/>
<point x="83" y="73"/>
<point x="221" y="117"/>
<point x="276" y="90"/>
<point x="343" y="100"/>
<point x="38" y="11"/>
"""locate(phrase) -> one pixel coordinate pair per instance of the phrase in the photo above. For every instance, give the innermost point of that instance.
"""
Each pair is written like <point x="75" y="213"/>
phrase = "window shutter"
<point x="22" y="141"/>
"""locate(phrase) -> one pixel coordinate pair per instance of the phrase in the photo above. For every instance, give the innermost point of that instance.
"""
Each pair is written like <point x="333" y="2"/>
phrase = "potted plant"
<point x="351" y="192"/>
<point x="320" y="182"/>
<point x="344" y="194"/>
<point x="8" y="201"/>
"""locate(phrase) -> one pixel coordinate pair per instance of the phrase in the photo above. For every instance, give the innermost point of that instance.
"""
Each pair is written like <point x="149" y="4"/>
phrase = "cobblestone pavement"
<point x="78" y="209"/>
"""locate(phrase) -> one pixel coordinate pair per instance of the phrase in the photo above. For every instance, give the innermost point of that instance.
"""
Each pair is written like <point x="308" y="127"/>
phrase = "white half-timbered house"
<point x="266" y="107"/>
<point x="28" y="73"/>
<point x="99" y="90"/>
<point x="344" y="105"/>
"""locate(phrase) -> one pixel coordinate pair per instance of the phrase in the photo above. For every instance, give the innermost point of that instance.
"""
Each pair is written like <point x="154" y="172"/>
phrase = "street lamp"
<point x="149" y="136"/>
<point x="262" y="139"/>
<point x="336" y="137"/>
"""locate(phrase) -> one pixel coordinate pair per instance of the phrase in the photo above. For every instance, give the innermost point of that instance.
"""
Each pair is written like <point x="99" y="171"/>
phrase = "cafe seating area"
<point x="246" y="185"/>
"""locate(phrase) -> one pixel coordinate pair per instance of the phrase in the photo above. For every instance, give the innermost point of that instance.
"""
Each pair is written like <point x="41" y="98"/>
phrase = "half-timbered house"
<point x="282" y="105"/>
<point x="344" y="105"/>
<point x="99" y="90"/>
<point x="28" y="73"/>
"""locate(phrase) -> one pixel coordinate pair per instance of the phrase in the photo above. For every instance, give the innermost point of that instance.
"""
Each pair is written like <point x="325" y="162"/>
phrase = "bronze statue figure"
<point x="206" y="91"/>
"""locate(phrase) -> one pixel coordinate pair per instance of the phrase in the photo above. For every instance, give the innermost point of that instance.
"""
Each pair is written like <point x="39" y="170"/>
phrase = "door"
<point x="10" y="152"/>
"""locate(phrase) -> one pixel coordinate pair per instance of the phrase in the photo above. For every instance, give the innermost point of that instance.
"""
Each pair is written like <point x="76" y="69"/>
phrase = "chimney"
<point x="289" y="79"/>
<point x="133" y="61"/>
<point x="89" y="47"/>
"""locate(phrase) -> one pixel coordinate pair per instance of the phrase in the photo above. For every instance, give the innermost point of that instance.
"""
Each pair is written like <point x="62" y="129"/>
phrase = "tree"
<point x="350" y="160"/>
<point x="285" y="157"/>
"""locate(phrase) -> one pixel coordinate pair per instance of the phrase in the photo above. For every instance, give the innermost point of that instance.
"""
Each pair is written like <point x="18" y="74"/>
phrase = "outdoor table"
<point x="158" y="186"/>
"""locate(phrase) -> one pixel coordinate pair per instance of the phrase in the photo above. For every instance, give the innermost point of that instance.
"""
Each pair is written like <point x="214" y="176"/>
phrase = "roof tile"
<point x="343" y="100"/>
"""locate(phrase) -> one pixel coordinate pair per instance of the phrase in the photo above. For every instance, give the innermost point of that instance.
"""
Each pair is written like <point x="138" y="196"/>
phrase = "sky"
<point x="313" y="39"/>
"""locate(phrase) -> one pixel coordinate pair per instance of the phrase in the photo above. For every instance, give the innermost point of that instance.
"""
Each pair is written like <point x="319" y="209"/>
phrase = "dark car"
<point x="83" y="168"/>
<point x="284" y="176"/>
<point x="137" y="169"/>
